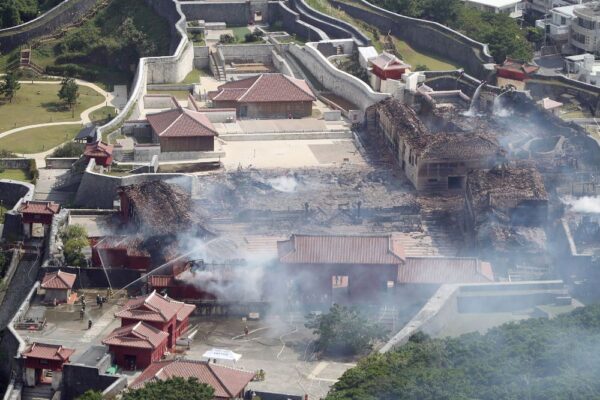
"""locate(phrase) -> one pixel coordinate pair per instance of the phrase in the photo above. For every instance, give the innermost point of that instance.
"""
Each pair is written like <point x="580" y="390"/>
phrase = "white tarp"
<point x="222" y="354"/>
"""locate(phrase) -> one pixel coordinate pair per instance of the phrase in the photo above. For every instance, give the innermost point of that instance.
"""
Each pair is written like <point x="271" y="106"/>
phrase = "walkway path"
<point x="84" y="117"/>
<point x="40" y="158"/>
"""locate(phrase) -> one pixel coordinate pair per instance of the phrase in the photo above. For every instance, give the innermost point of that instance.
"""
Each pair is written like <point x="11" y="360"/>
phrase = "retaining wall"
<point x="157" y="69"/>
<point x="78" y="378"/>
<point x="65" y="13"/>
<point x="99" y="191"/>
<point x="96" y="277"/>
<point x="314" y="18"/>
<point x="201" y="59"/>
<point x="159" y="101"/>
<point x="12" y="192"/>
<point x="233" y="13"/>
<point x="353" y="31"/>
<point x="279" y="12"/>
<point x="338" y="82"/>
<point x="60" y="163"/>
<point x="426" y="36"/>
<point x="554" y="86"/>
<point x="243" y="53"/>
<point x="15" y="163"/>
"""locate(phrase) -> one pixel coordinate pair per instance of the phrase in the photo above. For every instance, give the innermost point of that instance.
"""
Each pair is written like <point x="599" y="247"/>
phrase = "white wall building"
<point x="585" y="67"/>
<point x="540" y="7"/>
<point x="512" y="7"/>
<point x="558" y="23"/>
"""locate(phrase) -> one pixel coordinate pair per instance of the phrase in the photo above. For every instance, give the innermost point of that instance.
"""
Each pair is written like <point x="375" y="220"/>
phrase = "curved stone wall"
<point x="65" y="13"/>
<point x="291" y="22"/>
<point x="425" y="36"/>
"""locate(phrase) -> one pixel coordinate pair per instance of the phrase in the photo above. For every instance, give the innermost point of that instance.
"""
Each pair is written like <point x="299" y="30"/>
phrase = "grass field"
<point x="240" y="33"/>
<point x="407" y="53"/>
<point x="38" y="139"/>
<point x="38" y="104"/>
<point x="194" y="76"/>
<point x="15" y="174"/>
<point x="103" y="114"/>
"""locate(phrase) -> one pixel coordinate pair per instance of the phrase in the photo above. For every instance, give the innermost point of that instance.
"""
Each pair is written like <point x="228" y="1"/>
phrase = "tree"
<point x="90" y="395"/>
<point x="344" y="330"/>
<point x="172" y="389"/>
<point x="226" y="38"/>
<point x="75" y="240"/>
<point x="69" y="149"/>
<point x="69" y="92"/>
<point x="10" y="86"/>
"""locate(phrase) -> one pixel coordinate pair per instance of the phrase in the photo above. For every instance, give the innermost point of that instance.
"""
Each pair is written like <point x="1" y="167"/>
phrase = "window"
<point x="455" y="182"/>
<point x="44" y="362"/>
<point x="563" y="21"/>
<point x="432" y="180"/>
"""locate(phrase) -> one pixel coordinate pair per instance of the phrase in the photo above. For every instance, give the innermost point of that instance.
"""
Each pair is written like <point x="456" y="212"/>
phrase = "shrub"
<point x="70" y="149"/>
<point x="227" y="39"/>
<point x="75" y="240"/>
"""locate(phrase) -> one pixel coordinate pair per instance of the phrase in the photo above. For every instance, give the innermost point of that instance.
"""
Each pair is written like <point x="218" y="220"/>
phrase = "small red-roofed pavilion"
<point x="40" y="358"/>
<point x="58" y="286"/>
<point x="136" y="346"/>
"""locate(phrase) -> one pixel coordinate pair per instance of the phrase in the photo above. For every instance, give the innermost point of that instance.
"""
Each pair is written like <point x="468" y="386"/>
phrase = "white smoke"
<point x="286" y="184"/>
<point x="586" y="204"/>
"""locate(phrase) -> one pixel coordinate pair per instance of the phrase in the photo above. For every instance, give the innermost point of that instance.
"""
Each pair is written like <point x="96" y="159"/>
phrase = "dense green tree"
<point x="538" y="359"/>
<point x="344" y="330"/>
<point x="172" y="389"/>
<point x="69" y="92"/>
<point x="10" y="86"/>
<point x="90" y="395"/>
<point x="75" y="240"/>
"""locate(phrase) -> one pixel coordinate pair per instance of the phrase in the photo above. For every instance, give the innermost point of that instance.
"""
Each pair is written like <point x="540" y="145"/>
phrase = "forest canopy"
<point x="537" y="359"/>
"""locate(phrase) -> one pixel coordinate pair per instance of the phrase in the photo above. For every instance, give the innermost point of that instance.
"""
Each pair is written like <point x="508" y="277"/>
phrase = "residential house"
<point x="266" y="96"/>
<point x="514" y="8"/>
<point x="182" y="130"/>
<point x="228" y="383"/>
<point x="585" y="28"/>
<point x="585" y="67"/>
<point x="58" y="286"/>
<point x="558" y="24"/>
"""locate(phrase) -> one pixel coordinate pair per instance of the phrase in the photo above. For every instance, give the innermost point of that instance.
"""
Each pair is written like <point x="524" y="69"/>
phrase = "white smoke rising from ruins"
<point x="586" y="204"/>
<point x="286" y="184"/>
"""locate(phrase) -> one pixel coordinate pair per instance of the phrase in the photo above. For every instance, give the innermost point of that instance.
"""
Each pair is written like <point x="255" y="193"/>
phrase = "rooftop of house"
<point x="155" y="307"/>
<point x="87" y="133"/>
<point x="589" y="10"/>
<point x="331" y="249"/>
<point x="440" y="270"/>
<point x="139" y="335"/>
<point x="387" y="61"/>
<point x="518" y="66"/>
<point x="227" y="382"/>
<point x="161" y="207"/>
<point x="181" y="122"/>
<point x="48" y="352"/>
<point x="98" y="149"/>
<point x="39" y="207"/>
<point x="264" y="88"/>
<point x="505" y="187"/>
<point x="58" y="280"/>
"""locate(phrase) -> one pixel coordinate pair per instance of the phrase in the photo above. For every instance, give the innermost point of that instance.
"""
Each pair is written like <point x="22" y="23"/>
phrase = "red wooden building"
<point x="182" y="130"/>
<point x="516" y="69"/>
<point x="121" y="252"/>
<point x="177" y="284"/>
<point x="99" y="151"/>
<point x="388" y="66"/>
<point x="136" y="346"/>
<point x="162" y="313"/>
<point x="37" y="212"/>
<point x="228" y="383"/>
<point x="367" y="265"/>
<point x="40" y="358"/>
<point x="58" y="286"/>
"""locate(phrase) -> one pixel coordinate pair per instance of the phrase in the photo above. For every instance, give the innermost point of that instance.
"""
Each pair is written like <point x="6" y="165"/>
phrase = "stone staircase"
<point x="39" y="392"/>
<point x="388" y="318"/>
<point x="127" y="156"/>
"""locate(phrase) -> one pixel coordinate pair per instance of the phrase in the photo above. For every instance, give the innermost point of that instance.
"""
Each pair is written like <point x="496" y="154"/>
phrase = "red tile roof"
<point x="181" y="122"/>
<point x="265" y="88"/>
<point x="155" y="307"/>
<point x="387" y="61"/>
<point x="39" y="207"/>
<point x="58" y="280"/>
<point x="440" y="270"/>
<point x="48" y="352"/>
<point x="227" y="382"/>
<point x="307" y="249"/>
<point x="99" y="149"/>
<point x="518" y="65"/>
<point x="138" y="335"/>
<point x="161" y="281"/>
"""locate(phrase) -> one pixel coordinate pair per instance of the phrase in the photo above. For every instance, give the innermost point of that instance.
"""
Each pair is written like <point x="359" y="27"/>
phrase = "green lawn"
<point x="38" y="139"/>
<point x="15" y="174"/>
<point x="414" y="58"/>
<point x="103" y="114"/>
<point x="240" y="33"/>
<point x="38" y="103"/>
<point x="194" y="76"/>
